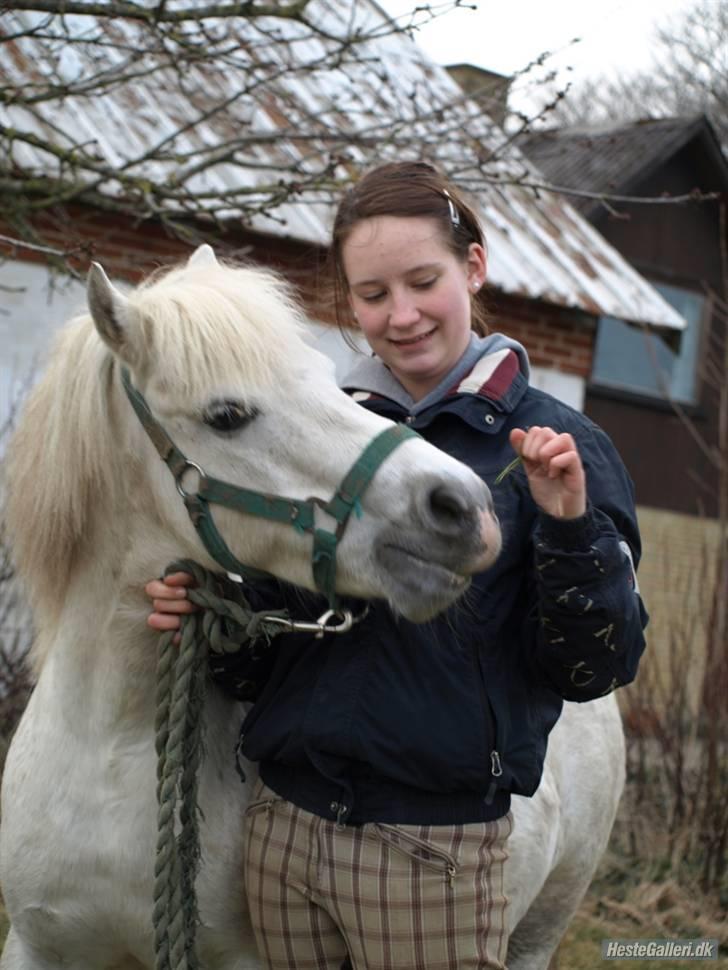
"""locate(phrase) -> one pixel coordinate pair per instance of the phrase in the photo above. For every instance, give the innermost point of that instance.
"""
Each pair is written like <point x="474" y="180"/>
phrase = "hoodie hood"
<point x="493" y="367"/>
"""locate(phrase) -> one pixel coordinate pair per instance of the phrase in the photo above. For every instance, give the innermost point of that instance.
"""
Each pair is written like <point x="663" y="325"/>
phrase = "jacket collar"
<point x="493" y="369"/>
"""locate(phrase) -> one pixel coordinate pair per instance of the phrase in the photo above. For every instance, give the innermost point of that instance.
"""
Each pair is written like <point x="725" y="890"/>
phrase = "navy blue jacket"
<point x="439" y="723"/>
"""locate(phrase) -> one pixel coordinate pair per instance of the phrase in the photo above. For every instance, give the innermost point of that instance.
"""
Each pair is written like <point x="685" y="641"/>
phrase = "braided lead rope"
<point x="221" y="626"/>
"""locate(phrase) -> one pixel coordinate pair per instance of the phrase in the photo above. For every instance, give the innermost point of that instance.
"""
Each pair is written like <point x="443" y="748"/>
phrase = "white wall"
<point x="329" y="341"/>
<point x="33" y="307"/>
<point x="566" y="387"/>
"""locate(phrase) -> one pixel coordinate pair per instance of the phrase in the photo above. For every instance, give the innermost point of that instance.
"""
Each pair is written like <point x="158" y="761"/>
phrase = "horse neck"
<point x="100" y="654"/>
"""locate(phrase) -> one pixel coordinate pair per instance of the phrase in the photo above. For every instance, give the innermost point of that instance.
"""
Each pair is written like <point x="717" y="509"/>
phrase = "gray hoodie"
<point x="371" y="375"/>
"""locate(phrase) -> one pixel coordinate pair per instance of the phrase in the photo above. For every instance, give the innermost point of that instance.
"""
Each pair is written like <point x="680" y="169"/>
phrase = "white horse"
<point x="93" y="513"/>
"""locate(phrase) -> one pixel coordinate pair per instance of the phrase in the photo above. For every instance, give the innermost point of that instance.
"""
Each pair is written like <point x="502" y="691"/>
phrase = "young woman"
<point x="388" y="757"/>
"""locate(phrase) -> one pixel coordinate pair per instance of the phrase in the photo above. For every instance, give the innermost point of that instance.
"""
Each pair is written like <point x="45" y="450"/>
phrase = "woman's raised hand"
<point x="169" y="599"/>
<point x="554" y="470"/>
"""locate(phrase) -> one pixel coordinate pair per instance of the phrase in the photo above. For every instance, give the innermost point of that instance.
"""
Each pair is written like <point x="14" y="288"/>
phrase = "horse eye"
<point x="228" y="416"/>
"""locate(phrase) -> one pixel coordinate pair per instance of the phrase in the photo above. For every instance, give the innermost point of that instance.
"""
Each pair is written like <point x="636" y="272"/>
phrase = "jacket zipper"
<point x="496" y="770"/>
<point x="496" y="766"/>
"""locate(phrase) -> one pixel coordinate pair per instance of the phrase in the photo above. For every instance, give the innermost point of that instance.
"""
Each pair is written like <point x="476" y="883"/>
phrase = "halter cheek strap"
<point x="299" y="513"/>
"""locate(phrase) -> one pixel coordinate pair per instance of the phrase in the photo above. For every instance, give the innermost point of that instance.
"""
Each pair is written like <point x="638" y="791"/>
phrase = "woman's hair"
<point x="410" y="189"/>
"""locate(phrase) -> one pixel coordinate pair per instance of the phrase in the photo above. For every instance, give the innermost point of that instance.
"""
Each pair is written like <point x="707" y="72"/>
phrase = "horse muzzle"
<point x="451" y="533"/>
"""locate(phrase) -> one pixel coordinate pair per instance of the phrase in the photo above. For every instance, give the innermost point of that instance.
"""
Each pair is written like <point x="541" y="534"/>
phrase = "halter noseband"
<point x="300" y="513"/>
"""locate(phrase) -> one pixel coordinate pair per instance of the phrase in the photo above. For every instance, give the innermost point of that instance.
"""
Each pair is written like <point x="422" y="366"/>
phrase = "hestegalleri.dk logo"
<point x="660" y="949"/>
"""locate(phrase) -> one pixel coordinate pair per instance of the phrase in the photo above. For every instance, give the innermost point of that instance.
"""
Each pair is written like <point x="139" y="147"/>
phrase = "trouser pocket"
<point x="414" y="843"/>
<point x="263" y="800"/>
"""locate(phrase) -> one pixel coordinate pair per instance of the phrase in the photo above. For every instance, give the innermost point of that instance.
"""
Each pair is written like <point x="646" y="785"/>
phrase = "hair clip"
<point x="454" y="214"/>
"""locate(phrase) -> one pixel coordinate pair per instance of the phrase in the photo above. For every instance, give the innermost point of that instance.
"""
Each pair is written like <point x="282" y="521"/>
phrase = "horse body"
<point x="79" y="885"/>
<point x="79" y="812"/>
<point x="94" y="514"/>
<point x="560" y="834"/>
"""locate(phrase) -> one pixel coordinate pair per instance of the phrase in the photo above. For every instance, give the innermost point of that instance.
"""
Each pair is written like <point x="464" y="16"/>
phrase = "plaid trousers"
<point x="385" y="897"/>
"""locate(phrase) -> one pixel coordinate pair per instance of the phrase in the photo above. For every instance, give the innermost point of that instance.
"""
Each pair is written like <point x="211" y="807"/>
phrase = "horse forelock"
<point x="203" y="327"/>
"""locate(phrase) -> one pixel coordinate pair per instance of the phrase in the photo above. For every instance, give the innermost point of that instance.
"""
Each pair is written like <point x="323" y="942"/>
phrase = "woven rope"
<point x="220" y="626"/>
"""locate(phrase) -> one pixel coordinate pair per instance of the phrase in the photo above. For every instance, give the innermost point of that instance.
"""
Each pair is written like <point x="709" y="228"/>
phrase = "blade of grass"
<point x="507" y="470"/>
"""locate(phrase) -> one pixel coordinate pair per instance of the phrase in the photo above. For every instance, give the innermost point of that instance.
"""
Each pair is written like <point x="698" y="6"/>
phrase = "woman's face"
<point x="411" y="296"/>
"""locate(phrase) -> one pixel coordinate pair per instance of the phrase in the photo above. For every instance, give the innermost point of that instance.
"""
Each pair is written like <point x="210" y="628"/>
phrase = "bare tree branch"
<point x="19" y="244"/>
<point x="688" y="76"/>
<point x="226" y="112"/>
<point x="160" y="15"/>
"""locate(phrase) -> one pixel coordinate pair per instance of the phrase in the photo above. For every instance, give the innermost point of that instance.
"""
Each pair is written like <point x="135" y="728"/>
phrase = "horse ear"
<point x="203" y="256"/>
<point x="109" y="308"/>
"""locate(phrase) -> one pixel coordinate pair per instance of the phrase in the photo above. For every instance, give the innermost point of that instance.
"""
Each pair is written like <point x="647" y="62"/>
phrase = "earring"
<point x="476" y="285"/>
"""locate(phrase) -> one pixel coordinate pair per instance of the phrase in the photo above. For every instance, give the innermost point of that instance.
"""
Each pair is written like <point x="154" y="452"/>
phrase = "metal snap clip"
<point x="323" y="625"/>
<point x="345" y="618"/>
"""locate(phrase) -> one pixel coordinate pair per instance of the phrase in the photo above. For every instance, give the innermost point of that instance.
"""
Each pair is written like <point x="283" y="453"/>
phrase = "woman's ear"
<point x="350" y="304"/>
<point x="477" y="265"/>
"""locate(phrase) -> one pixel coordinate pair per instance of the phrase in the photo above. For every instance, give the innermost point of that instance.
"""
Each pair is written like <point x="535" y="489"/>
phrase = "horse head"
<point x="218" y="355"/>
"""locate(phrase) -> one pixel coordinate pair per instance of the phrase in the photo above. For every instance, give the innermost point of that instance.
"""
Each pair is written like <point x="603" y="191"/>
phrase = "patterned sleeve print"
<point x="590" y="612"/>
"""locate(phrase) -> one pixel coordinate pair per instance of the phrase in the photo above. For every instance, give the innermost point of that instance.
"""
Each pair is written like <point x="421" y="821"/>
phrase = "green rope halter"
<point x="300" y="513"/>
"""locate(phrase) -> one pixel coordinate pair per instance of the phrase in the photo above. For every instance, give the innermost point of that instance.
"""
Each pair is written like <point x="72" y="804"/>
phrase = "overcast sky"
<point x="505" y="35"/>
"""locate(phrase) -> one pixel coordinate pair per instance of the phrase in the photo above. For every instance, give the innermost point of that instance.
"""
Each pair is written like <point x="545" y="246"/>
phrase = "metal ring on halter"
<point x="178" y="478"/>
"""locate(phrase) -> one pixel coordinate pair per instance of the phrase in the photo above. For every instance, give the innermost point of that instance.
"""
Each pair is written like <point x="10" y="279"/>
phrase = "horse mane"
<point x="191" y="329"/>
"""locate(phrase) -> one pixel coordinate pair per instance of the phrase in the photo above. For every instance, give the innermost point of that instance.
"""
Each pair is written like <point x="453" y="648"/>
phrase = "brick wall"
<point x="555" y="337"/>
<point x="130" y="250"/>
<point x="127" y="250"/>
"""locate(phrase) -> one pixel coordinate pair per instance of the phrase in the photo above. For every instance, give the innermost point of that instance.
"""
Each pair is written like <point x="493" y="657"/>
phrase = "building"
<point x="662" y="399"/>
<point x="132" y="191"/>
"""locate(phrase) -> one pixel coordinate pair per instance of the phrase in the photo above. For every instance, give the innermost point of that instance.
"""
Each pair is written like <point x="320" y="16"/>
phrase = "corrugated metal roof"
<point x="539" y="247"/>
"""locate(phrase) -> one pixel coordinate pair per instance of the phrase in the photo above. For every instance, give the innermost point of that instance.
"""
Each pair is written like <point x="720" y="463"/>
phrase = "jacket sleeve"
<point x="591" y="617"/>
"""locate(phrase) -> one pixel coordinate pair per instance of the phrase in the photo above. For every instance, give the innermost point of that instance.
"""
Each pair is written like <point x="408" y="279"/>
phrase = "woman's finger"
<point x="567" y="463"/>
<point x="163" y="621"/>
<point x="173" y="606"/>
<point x="179" y="579"/>
<point x="158" y="589"/>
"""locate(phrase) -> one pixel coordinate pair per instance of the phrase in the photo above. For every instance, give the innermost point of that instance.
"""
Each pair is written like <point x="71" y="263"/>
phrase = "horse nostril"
<point x="447" y="506"/>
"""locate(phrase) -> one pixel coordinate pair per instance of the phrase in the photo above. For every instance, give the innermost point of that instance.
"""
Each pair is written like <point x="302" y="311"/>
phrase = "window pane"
<point x="689" y="305"/>
<point x="634" y="358"/>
